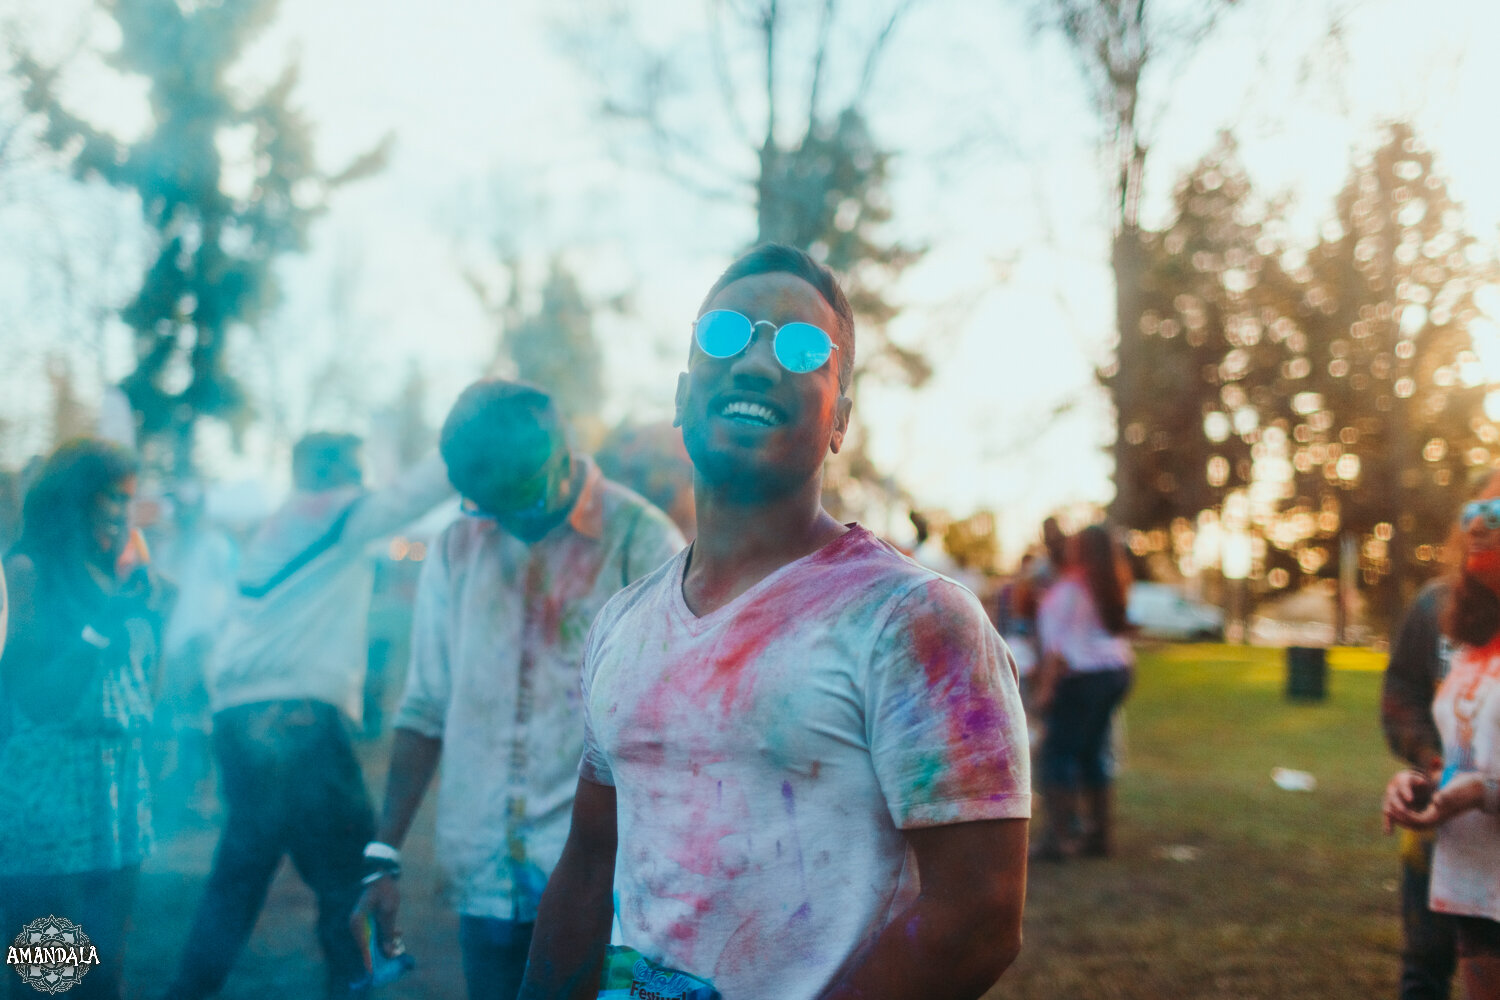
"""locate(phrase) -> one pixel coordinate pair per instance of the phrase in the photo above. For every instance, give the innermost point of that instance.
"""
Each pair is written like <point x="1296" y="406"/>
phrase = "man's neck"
<point x="742" y="541"/>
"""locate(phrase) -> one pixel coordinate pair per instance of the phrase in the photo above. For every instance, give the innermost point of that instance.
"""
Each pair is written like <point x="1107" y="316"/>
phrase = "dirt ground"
<point x="282" y="959"/>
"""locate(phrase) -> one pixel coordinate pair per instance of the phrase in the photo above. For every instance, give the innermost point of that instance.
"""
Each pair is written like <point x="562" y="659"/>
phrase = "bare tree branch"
<point x="820" y="54"/>
<point x="720" y="59"/>
<point x="877" y="49"/>
<point x="768" y="28"/>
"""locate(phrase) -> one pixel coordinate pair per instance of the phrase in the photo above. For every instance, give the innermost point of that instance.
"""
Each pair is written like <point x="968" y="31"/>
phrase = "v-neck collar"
<point x="698" y="624"/>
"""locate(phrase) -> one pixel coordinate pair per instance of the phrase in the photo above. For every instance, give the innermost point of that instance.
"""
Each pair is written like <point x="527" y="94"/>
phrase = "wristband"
<point x="382" y="854"/>
<point x="380" y="873"/>
<point x="1490" y="802"/>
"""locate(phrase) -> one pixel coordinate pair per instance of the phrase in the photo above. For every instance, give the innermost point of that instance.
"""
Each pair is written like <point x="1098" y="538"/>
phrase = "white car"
<point x="1160" y="611"/>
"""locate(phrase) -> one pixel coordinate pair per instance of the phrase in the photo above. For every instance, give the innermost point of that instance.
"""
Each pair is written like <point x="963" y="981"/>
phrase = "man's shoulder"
<point x="638" y="600"/>
<point x="465" y="539"/>
<point x="880" y="567"/>
<point x="1433" y="593"/>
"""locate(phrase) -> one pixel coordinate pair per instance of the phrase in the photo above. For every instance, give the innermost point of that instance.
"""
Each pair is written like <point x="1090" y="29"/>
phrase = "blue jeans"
<point x="494" y="956"/>
<point x="1428" y="952"/>
<point x="293" y="787"/>
<point x="1075" y="751"/>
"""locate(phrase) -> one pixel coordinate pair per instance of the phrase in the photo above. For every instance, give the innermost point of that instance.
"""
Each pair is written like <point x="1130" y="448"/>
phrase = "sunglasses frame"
<point x="775" y="334"/>
<point x="1475" y="509"/>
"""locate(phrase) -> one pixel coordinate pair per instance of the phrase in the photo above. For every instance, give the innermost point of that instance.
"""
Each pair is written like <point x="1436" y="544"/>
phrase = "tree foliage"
<point x="1117" y="44"/>
<point x="1386" y="412"/>
<point x="1338" y="388"/>
<point x="554" y="347"/>
<point x="227" y="183"/>
<point x="550" y="343"/>
<point x="820" y="177"/>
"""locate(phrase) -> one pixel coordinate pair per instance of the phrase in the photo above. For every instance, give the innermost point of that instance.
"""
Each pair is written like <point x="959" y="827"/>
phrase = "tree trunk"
<point x="1128" y="506"/>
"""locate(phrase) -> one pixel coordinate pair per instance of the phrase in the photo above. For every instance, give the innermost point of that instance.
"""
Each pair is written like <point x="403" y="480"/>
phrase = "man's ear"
<point x="680" y="399"/>
<point x="840" y="423"/>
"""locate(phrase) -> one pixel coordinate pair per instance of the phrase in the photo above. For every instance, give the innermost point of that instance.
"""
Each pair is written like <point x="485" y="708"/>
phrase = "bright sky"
<point x="999" y="174"/>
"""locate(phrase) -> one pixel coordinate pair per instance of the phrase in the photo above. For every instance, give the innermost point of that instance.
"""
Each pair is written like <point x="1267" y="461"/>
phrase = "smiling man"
<point x="504" y="603"/>
<point x="805" y="752"/>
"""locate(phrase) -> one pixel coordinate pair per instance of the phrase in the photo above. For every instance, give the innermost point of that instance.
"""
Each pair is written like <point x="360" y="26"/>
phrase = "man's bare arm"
<point x="414" y="760"/>
<point x="963" y="930"/>
<point x="572" y="924"/>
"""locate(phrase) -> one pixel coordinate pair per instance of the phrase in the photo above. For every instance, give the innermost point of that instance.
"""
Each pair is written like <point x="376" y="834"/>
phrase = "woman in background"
<point x="1086" y="669"/>
<point x="75" y="707"/>
<point x="1462" y="800"/>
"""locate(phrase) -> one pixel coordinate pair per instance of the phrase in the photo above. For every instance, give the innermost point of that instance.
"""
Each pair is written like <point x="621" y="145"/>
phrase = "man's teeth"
<point x="752" y="411"/>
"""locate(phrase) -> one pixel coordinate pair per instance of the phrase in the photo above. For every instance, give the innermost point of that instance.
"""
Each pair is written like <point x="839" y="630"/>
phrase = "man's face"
<point x="522" y="492"/>
<point x="748" y="423"/>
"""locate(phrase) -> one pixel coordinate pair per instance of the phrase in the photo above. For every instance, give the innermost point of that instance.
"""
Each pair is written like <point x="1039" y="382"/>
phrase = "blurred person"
<point x="932" y="551"/>
<point x="394" y="593"/>
<point x="1461" y="800"/>
<point x="1086" y="670"/>
<point x="285" y="684"/>
<point x="652" y="460"/>
<point x="504" y="604"/>
<point x="1015" y="617"/>
<point x="805" y="771"/>
<point x="1419" y="660"/>
<point x="202" y="560"/>
<point x="75" y="705"/>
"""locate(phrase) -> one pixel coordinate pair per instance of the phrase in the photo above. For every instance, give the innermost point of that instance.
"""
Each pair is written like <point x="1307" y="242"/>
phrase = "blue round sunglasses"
<point x="1475" y="509"/>
<point x="799" y="347"/>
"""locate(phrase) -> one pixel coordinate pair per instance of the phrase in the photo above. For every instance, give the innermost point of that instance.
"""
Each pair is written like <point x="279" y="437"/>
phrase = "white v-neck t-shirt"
<point x="767" y="756"/>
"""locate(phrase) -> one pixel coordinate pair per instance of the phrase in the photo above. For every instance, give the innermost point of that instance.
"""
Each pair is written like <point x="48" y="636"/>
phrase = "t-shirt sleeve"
<point x="429" y="681"/>
<point x="943" y="713"/>
<point x="593" y="765"/>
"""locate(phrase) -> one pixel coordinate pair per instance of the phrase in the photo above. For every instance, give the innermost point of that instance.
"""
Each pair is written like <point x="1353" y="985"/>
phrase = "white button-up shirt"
<point x="486" y="604"/>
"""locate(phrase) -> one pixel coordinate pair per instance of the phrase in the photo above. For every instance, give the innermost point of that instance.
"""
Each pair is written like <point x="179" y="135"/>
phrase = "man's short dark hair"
<point x="324" y="460"/>
<point x="493" y="416"/>
<point x="779" y="258"/>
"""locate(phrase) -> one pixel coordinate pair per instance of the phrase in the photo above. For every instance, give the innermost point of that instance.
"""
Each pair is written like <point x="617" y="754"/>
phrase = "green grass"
<point x="1287" y="894"/>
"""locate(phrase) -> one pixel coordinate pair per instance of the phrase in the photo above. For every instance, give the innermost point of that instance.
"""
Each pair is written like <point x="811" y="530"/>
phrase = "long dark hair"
<point x="55" y="516"/>
<point x="1096" y="557"/>
<point x="1472" y="614"/>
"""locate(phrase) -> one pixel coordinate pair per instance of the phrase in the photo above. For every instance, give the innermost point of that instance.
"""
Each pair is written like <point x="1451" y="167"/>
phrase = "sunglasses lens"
<point x="802" y="347"/>
<point x="722" y="334"/>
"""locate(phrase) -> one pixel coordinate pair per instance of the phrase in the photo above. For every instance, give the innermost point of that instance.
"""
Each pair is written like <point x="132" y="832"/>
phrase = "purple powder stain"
<point x="789" y="798"/>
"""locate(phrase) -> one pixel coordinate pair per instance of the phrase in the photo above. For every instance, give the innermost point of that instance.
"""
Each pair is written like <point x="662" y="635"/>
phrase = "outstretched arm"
<point x="964" y="928"/>
<point x="572" y="925"/>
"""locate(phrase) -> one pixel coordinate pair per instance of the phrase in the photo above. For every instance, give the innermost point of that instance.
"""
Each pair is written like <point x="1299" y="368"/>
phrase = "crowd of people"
<point x="769" y="755"/>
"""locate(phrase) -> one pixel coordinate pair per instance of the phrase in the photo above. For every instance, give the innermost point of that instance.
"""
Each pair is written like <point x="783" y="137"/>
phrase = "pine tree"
<point x="216" y="239"/>
<point x="1386" y="415"/>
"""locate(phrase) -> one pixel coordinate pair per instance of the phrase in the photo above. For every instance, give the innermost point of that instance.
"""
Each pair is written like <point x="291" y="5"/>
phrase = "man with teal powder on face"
<point x="503" y="606"/>
<point x="805" y="768"/>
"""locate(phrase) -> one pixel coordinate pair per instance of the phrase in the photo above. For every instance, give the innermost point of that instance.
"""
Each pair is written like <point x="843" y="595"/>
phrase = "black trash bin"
<point x="1306" y="673"/>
